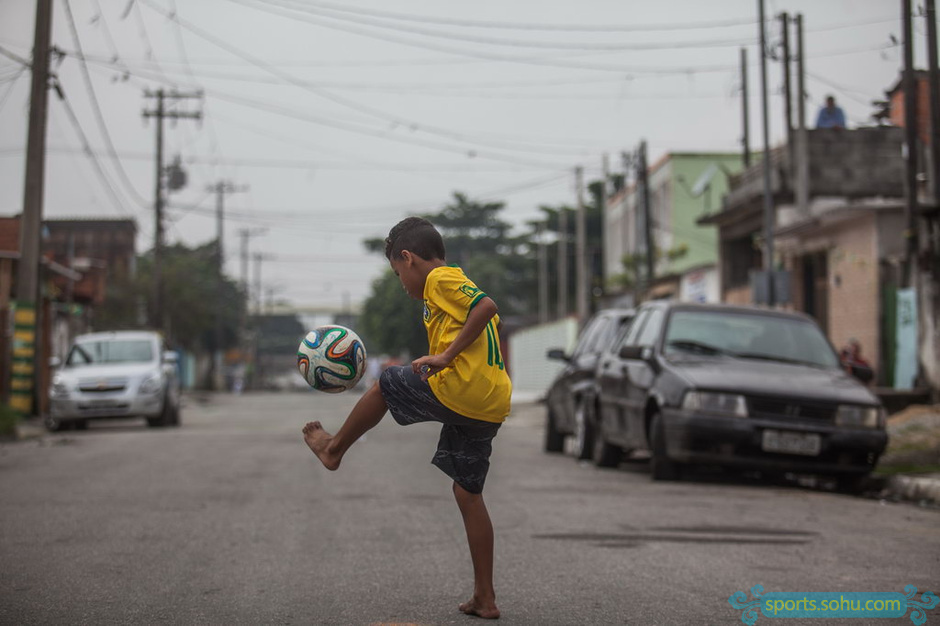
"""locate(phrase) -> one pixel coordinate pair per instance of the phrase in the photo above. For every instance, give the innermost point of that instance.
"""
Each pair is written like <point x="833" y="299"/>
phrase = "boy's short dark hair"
<point x="418" y="236"/>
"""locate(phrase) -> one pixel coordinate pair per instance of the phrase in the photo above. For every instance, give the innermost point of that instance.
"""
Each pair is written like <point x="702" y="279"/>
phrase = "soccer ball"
<point x="331" y="358"/>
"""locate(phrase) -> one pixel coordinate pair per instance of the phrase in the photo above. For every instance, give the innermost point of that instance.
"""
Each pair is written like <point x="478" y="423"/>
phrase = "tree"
<point x="391" y="321"/>
<point x="479" y="241"/>
<point x="192" y="298"/>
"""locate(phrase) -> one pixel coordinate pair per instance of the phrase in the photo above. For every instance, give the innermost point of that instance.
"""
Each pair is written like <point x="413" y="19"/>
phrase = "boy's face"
<point x="412" y="280"/>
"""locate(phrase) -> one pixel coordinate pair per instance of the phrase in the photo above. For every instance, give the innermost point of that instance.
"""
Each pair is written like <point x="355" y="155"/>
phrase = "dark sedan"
<point x="565" y="399"/>
<point x="734" y="386"/>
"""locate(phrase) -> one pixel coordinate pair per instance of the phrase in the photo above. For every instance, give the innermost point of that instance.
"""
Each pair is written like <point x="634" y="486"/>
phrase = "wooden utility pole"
<point x="221" y="188"/>
<point x="543" y="273"/>
<point x="161" y="113"/>
<point x="802" y="150"/>
<point x="581" y="280"/>
<point x="745" y="121"/>
<point x="933" y="84"/>
<point x="562" y="263"/>
<point x="787" y="85"/>
<point x="27" y="335"/>
<point x="910" y="135"/>
<point x="605" y="183"/>
<point x="643" y="181"/>
<point x="768" y="197"/>
<point x="246" y="234"/>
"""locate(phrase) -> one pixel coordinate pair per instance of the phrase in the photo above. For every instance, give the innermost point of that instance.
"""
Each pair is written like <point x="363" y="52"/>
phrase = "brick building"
<point x="841" y="253"/>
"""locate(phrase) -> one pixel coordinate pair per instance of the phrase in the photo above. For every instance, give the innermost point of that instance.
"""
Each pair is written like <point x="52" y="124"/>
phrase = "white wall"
<point x="700" y="285"/>
<point x="532" y="372"/>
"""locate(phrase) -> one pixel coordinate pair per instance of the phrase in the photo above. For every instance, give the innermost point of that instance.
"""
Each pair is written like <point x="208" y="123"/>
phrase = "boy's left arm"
<point x="479" y="317"/>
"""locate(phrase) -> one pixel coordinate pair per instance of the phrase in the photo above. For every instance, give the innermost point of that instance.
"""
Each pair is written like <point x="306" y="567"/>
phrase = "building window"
<point x="741" y="256"/>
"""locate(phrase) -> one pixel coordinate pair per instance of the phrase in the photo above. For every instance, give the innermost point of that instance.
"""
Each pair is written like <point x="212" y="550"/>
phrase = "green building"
<point x="683" y="186"/>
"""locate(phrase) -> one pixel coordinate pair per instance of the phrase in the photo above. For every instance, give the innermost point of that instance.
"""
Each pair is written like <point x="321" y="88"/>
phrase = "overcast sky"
<point x="341" y="118"/>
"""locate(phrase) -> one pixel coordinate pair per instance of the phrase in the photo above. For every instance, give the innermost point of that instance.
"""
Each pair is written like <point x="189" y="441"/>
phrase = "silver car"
<point x="115" y="375"/>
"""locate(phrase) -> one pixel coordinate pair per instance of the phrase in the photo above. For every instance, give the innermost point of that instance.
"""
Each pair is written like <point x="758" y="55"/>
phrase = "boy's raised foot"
<point x="480" y="608"/>
<point x="319" y="442"/>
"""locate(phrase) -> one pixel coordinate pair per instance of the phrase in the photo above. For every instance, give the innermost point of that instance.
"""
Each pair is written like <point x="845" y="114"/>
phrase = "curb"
<point x="30" y="429"/>
<point x="922" y="489"/>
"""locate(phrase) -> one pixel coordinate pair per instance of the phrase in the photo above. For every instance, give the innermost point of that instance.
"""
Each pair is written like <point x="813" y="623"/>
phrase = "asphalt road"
<point x="229" y="519"/>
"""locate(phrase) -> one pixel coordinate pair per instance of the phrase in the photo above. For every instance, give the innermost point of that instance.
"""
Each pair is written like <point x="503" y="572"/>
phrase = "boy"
<point x="461" y="383"/>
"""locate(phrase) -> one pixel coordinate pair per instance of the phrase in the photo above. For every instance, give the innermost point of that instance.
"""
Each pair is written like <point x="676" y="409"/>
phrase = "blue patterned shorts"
<point x="463" y="452"/>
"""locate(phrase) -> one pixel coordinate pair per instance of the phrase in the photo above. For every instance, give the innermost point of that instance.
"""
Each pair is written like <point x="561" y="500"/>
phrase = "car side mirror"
<point x="170" y="357"/>
<point x="55" y="361"/>
<point x="633" y="353"/>
<point x="863" y="373"/>
<point x="558" y="354"/>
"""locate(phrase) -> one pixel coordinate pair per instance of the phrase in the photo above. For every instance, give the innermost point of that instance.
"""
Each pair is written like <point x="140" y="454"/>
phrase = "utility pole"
<point x="933" y="84"/>
<point x="562" y="263"/>
<point x="910" y="135"/>
<point x="768" y="198"/>
<point x="543" y="273"/>
<point x="605" y="182"/>
<point x="581" y="300"/>
<point x="246" y="234"/>
<point x="27" y="336"/>
<point x="221" y="188"/>
<point x="161" y="113"/>
<point x="745" y="122"/>
<point x="802" y="164"/>
<point x="259" y="294"/>
<point x="643" y="180"/>
<point x="787" y="86"/>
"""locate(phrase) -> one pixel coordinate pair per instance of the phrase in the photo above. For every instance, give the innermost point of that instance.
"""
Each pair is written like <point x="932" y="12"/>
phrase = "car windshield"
<point x="748" y="336"/>
<point x="111" y="351"/>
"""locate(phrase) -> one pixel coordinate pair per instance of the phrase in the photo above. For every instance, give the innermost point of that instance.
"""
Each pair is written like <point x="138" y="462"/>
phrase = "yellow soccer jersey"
<point x="476" y="383"/>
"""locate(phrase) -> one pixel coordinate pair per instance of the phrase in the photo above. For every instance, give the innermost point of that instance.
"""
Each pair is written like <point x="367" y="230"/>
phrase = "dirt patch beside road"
<point x="914" y="439"/>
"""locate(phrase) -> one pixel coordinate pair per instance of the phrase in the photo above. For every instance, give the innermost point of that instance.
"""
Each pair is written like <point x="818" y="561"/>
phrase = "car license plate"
<point x="102" y="404"/>
<point x="806" y="444"/>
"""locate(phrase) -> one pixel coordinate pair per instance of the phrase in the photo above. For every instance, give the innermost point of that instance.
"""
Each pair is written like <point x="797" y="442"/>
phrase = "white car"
<point x="115" y="375"/>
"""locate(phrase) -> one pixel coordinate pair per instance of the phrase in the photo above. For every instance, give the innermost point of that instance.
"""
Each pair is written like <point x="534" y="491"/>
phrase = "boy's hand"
<point x="430" y="365"/>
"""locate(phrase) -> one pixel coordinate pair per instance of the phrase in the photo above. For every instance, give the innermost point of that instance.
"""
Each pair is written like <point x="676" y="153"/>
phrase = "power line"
<point x="89" y="152"/>
<point x="330" y="22"/>
<point x="9" y="90"/>
<point x="536" y="26"/>
<point x="372" y="132"/>
<point x="96" y="107"/>
<point x="345" y="102"/>
<point x="516" y="43"/>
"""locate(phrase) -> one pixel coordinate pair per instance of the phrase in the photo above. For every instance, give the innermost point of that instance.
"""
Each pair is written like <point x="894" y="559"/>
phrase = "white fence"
<point x="532" y="371"/>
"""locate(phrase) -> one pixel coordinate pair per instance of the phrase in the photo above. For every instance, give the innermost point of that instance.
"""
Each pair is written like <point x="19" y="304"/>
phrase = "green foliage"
<point x="391" y="321"/>
<point x="192" y="298"/>
<point x="8" y="421"/>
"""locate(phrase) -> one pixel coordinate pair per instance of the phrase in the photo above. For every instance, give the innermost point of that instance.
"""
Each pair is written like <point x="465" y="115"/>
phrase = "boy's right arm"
<point x="479" y="317"/>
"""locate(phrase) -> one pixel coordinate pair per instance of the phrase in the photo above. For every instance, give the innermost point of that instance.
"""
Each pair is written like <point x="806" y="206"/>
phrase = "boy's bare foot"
<point x="319" y="441"/>
<point x="480" y="608"/>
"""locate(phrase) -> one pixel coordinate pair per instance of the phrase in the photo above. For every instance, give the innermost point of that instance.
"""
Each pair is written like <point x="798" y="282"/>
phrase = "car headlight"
<point x="860" y="416"/>
<point x="151" y="384"/>
<point x="59" y="388"/>
<point x="708" y="402"/>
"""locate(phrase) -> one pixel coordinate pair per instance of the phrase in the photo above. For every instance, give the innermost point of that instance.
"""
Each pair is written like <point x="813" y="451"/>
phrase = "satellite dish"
<point x="705" y="180"/>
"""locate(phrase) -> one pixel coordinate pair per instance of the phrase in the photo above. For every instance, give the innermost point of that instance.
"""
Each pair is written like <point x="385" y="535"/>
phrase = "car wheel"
<point x="852" y="484"/>
<point x="661" y="467"/>
<point x="554" y="440"/>
<point x="605" y="454"/>
<point x="54" y="424"/>
<point x="583" y="432"/>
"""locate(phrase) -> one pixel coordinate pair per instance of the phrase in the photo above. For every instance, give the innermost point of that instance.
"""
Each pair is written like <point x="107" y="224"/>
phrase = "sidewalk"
<point x="910" y="467"/>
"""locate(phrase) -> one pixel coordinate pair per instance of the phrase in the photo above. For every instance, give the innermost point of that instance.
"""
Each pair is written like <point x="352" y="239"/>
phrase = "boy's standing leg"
<point x="367" y="413"/>
<point x="479" y="529"/>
